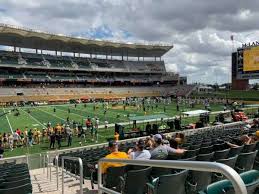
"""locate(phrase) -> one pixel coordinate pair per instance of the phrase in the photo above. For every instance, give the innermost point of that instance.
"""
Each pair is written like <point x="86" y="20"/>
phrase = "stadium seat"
<point x="22" y="189"/>
<point x="245" y="161"/>
<point x="205" y="157"/>
<point x="221" y="154"/>
<point x="191" y="153"/>
<point x="134" y="181"/>
<point x="164" y="184"/>
<point x="250" y="178"/>
<point x="206" y="150"/>
<point x="112" y="177"/>
<point x="249" y="148"/>
<point x="235" y="151"/>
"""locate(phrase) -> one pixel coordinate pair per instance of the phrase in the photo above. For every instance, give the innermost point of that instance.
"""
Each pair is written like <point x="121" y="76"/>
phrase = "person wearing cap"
<point x="115" y="154"/>
<point x="160" y="151"/>
<point x="139" y="153"/>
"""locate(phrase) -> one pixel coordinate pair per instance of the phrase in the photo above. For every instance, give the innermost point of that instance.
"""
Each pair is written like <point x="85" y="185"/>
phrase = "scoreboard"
<point x="251" y="59"/>
<point x="245" y="63"/>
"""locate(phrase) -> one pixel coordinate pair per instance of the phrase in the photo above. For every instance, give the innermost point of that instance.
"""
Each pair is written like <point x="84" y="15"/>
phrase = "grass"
<point x="40" y="116"/>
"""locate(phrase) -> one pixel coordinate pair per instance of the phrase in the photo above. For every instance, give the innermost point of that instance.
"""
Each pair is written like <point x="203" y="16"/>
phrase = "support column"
<point x="74" y="54"/>
<point x="155" y="58"/>
<point x="14" y="48"/>
<point x="41" y="51"/>
<point x="36" y="51"/>
<point x="56" y="53"/>
<point x="19" y="49"/>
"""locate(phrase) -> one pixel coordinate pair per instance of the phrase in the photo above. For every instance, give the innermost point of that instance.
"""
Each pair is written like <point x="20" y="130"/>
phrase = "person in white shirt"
<point x="16" y="139"/>
<point x="139" y="153"/>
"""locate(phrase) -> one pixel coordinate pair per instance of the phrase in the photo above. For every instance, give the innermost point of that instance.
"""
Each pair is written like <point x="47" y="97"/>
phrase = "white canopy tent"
<point x="195" y="112"/>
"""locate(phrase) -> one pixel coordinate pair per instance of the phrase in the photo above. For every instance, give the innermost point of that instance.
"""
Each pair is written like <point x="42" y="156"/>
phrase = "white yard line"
<point x="71" y="113"/>
<point x="33" y="118"/>
<point x="10" y="126"/>
<point x="51" y="114"/>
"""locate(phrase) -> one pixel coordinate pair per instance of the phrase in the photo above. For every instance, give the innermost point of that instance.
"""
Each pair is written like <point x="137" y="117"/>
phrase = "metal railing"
<point x="71" y="174"/>
<point x="230" y="173"/>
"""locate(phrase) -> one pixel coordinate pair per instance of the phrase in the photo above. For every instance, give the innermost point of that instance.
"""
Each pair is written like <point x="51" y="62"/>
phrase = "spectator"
<point x="16" y="139"/>
<point x="115" y="154"/>
<point x="139" y="153"/>
<point x="149" y="143"/>
<point x="162" y="151"/>
<point x="58" y="138"/>
<point x="116" y="136"/>
<point x="106" y="124"/>
<point x="1" y="151"/>
<point x="5" y="140"/>
<point x="69" y="135"/>
<point x="173" y="143"/>
<point x="148" y="128"/>
<point x="30" y="137"/>
<point x="52" y="140"/>
<point x="10" y="141"/>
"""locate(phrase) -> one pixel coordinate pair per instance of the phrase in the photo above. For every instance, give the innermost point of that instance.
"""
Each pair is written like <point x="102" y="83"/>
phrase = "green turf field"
<point x="39" y="116"/>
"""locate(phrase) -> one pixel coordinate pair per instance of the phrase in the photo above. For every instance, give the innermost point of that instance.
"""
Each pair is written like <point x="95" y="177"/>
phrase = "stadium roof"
<point x="27" y="38"/>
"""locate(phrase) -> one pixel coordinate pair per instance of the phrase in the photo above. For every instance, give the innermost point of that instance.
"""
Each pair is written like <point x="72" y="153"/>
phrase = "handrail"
<point x="230" y="173"/>
<point x="80" y="168"/>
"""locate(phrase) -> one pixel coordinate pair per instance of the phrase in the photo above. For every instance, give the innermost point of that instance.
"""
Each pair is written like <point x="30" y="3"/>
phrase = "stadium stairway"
<point x="42" y="184"/>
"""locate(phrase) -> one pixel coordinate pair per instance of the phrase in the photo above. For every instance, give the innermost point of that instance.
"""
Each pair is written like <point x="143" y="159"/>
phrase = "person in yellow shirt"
<point x="115" y="154"/>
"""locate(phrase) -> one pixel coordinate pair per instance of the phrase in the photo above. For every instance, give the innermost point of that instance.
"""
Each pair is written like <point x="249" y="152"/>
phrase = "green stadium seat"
<point x="167" y="184"/>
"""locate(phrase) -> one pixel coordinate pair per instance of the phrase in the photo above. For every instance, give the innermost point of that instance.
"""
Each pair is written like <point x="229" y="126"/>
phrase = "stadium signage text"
<point x="250" y="44"/>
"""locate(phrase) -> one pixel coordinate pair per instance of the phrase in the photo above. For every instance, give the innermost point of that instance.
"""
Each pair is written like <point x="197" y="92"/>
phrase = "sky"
<point x="200" y="30"/>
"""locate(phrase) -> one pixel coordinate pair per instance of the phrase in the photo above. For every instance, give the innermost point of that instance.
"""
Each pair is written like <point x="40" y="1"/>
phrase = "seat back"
<point x="136" y="180"/>
<point x="205" y="157"/>
<point x="191" y="153"/>
<point x="113" y="174"/>
<point x="175" y="181"/>
<point x="229" y="161"/>
<point x="249" y="148"/>
<point x="22" y="189"/>
<point x="245" y="161"/>
<point x="206" y="150"/>
<point x="221" y="154"/>
<point x="251" y="180"/>
<point x="235" y="151"/>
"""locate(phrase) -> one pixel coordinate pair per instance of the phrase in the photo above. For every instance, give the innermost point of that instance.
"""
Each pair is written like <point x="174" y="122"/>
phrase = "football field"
<point x="39" y="116"/>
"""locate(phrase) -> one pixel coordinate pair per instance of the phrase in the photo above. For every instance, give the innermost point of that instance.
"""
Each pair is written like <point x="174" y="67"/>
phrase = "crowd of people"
<point x="159" y="147"/>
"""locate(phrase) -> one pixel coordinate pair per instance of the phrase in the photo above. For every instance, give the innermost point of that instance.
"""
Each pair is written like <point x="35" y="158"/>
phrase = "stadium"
<point x="82" y="115"/>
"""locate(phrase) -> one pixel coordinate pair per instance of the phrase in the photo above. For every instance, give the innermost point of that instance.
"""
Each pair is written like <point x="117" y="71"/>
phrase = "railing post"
<point x="40" y="161"/>
<point x="47" y="166"/>
<point x="81" y="174"/>
<point x="57" y="169"/>
<point x="44" y="163"/>
<point x="62" y="175"/>
<point x="99" y="177"/>
<point x="81" y="179"/>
